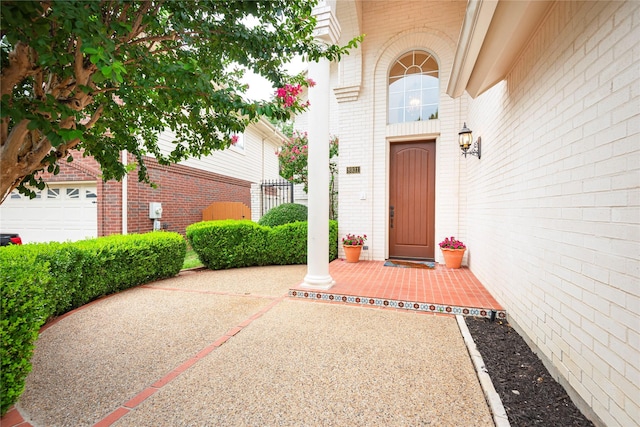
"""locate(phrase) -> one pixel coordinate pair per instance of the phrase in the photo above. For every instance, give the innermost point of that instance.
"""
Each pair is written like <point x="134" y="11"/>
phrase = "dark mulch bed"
<point x="531" y="397"/>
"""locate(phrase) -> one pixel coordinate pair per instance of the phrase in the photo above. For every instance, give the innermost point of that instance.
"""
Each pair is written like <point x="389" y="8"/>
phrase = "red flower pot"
<point x="452" y="257"/>
<point x="352" y="252"/>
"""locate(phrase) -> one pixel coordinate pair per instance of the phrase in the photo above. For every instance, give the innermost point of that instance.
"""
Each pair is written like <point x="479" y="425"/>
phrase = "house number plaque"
<point x="353" y="169"/>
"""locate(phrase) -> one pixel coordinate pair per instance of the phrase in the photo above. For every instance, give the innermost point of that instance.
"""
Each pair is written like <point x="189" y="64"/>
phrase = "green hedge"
<point x="288" y="244"/>
<point x="24" y="278"/>
<point x="242" y="243"/>
<point x="284" y="214"/>
<point x="118" y="262"/>
<point x="66" y="263"/>
<point x="229" y="243"/>
<point x="43" y="280"/>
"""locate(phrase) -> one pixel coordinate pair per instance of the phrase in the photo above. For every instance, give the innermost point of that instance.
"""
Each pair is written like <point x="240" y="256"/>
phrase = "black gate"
<point x="275" y="192"/>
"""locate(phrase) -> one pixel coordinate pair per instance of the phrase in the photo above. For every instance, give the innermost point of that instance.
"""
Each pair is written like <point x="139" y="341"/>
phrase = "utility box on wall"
<point x="155" y="210"/>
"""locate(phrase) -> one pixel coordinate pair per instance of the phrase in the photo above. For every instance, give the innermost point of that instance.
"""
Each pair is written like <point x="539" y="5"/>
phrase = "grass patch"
<point x="191" y="260"/>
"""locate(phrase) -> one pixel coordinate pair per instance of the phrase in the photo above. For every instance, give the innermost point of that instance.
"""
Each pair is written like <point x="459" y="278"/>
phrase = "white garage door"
<point x="59" y="213"/>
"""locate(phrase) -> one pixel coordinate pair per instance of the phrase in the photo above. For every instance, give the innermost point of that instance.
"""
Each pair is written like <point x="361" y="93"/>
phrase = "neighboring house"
<point x="77" y="204"/>
<point x="550" y="212"/>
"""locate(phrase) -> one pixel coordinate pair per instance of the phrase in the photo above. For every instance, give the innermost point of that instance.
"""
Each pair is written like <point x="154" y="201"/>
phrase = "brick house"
<point x="550" y="210"/>
<point x="77" y="204"/>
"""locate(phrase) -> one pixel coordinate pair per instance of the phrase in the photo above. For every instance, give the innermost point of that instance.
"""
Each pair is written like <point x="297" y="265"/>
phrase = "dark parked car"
<point x="7" y="239"/>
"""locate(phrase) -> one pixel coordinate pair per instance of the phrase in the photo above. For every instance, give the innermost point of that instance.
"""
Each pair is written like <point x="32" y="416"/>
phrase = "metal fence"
<point x="275" y="192"/>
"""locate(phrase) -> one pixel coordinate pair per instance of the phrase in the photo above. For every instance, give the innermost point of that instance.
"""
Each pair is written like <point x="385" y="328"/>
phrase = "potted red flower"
<point x="352" y="246"/>
<point x="452" y="251"/>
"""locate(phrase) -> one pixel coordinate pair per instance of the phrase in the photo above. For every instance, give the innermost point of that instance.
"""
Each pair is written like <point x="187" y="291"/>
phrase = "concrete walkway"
<point x="229" y="348"/>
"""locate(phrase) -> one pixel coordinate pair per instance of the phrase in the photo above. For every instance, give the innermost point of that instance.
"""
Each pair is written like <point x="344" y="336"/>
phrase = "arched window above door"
<point x="414" y="88"/>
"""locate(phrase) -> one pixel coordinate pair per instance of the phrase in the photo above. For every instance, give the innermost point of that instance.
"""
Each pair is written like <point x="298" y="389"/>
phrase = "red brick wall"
<point x="80" y="169"/>
<point x="109" y="208"/>
<point x="183" y="191"/>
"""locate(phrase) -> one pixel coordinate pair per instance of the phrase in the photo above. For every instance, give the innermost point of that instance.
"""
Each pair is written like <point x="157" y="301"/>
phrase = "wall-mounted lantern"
<point x="465" y="138"/>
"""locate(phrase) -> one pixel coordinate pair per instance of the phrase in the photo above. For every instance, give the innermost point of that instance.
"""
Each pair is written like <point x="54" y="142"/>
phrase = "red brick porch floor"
<point x="439" y="290"/>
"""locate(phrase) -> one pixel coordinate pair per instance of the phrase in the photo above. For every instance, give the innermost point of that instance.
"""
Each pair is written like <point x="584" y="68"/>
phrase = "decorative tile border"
<point x="406" y="305"/>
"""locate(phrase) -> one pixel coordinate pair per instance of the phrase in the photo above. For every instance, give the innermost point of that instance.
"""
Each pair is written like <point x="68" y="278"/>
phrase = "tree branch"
<point x="38" y="85"/>
<point x="61" y="89"/>
<point x="95" y="117"/>
<point x="20" y="156"/>
<point x="154" y="39"/>
<point x="21" y="65"/>
<point x="124" y="13"/>
<point x="4" y="130"/>
<point x="78" y="60"/>
<point x="136" y="27"/>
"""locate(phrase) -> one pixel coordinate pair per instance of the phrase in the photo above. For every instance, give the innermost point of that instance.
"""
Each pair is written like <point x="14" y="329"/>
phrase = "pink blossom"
<point x="452" y="243"/>
<point x="234" y="139"/>
<point x="289" y="94"/>
<point x="311" y="83"/>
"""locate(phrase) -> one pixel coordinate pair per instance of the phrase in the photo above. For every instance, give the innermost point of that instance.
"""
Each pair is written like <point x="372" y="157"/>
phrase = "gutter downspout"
<point x="125" y="195"/>
<point x="262" y="160"/>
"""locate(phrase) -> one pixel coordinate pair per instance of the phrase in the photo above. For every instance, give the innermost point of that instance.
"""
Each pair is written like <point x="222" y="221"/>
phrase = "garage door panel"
<point x="54" y="212"/>
<point x="62" y="212"/>
<point x="73" y="214"/>
<point x="28" y="214"/>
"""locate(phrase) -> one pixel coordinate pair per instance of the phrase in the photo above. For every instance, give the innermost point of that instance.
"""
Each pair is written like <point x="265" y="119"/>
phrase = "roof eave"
<point x="491" y="38"/>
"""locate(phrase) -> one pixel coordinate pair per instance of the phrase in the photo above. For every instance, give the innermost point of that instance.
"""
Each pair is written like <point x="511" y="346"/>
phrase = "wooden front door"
<point x="412" y="200"/>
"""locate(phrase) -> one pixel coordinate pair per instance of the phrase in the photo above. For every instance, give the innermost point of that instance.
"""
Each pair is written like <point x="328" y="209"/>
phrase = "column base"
<point x="318" y="282"/>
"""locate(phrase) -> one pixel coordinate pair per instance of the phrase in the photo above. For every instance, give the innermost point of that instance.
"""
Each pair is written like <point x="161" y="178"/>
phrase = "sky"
<point x="261" y="89"/>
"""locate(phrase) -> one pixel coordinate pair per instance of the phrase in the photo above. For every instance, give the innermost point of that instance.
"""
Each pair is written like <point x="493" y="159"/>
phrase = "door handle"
<point x="391" y="215"/>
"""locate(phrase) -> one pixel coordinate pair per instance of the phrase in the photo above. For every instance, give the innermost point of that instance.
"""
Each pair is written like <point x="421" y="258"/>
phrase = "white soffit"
<point x="268" y="130"/>
<point x="474" y="29"/>
<point x="492" y="36"/>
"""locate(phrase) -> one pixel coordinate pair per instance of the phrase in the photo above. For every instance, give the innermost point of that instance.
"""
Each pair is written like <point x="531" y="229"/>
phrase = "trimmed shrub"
<point x="66" y="269"/>
<point x="24" y="278"/>
<point x="333" y="240"/>
<point x="288" y="244"/>
<point x="285" y="213"/>
<point x="228" y="243"/>
<point x="231" y="243"/>
<point x="114" y="263"/>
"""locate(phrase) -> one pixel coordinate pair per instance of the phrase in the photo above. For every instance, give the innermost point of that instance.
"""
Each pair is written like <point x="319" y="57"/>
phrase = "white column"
<point x="318" y="172"/>
<point x="318" y="276"/>
<point x="256" y="202"/>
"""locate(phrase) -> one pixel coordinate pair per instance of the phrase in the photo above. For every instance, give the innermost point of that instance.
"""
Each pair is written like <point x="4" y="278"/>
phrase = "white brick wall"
<point x="551" y="213"/>
<point x="256" y="202"/>
<point x="553" y="209"/>
<point x="364" y="134"/>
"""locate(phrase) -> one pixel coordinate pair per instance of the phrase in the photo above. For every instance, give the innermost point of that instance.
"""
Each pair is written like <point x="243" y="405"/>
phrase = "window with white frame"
<point x="237" y="142"/>
<point x="73" y="193"/>
<point x="414" y="88"/>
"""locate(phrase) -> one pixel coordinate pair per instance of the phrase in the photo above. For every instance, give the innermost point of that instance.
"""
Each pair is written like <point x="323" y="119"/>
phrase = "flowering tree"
<point x="106" y="76"/>
<point x="293" y="158"/>
<point x="289" y="94"/>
